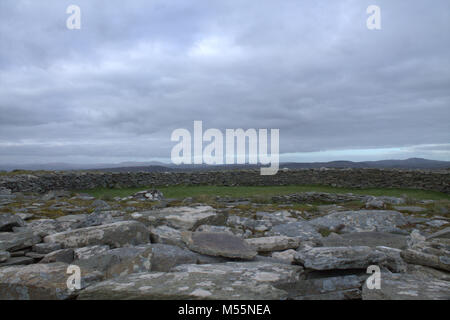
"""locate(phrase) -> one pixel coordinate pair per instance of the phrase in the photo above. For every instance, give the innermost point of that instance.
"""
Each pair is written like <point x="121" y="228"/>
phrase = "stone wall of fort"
<point x="352" y="178"/>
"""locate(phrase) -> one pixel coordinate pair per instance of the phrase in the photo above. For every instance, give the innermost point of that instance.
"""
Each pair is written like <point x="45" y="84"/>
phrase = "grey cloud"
<point x="136" y="71"/>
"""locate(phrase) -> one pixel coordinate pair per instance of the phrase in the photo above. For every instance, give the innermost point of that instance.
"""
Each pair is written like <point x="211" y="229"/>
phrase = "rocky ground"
<point x="301" y="246"/>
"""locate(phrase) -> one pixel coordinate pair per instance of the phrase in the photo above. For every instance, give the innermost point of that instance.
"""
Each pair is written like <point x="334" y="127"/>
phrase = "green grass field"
<point x="180" y="192"/>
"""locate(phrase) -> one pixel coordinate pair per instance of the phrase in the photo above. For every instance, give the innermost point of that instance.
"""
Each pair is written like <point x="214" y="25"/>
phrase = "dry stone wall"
<point x="352" y="178"/>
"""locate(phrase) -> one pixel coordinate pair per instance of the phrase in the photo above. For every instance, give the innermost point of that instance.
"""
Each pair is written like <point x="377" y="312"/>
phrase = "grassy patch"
<point x="262" y="193"/>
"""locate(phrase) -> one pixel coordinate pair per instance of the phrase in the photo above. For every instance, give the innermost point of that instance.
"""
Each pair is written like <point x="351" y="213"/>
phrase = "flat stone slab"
<point x="328" y="288"/>
<point x="362" y="220"/>
<point x="275" y="243"/>
<point x="407" y="287"/>
<point x="182" y="218"/>
<point x="219" y="244"/>
<point x="39" y="282"/>
<point x="224" y="281"/>
<point x="444" y="234"/>
<point x="441" y="262"/>
<point x="369" y="239"/>
<point x="115" y="235"/>
<point x="329" y="258"/>
<point x="300" y="229"/>
<point x="13" y="241"/>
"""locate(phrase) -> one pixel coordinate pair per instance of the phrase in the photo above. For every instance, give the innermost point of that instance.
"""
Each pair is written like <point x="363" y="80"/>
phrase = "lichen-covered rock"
<point x="362" y="220"/>
<point x="407" y="287"/>
<point x="219" y="244"/>
<point x="39" y="282"/>
<point x="115" y="235"/>
<point x="13" y="241"/>
<point x="275" y="243"/>
<point x="236" y="281"/>
<point x="329" y="258"/>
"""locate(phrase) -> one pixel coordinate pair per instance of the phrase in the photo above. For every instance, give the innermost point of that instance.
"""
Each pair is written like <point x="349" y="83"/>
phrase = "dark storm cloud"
<point x="116" y="89"/>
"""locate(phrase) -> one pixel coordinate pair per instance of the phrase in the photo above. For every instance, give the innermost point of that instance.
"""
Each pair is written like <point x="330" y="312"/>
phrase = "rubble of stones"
<point x="127" y="249"/>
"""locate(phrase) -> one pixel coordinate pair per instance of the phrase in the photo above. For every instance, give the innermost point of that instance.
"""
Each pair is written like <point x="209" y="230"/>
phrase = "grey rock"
<point x="182" y="218"/>
<point x="63" y="255"/>
<point x="394" y="261"/>
<point x="24" y="216"/>
<point x="165" y="257"/>
<point x="437" y="223"/>
<point x="14" y="261"/>
<point x="119" y="261"/>
<point x="39" y="282"/>
<point x="100" y="204"/>
<point x="44" y="227"/>
<point x="407" y="287"/>
<point x="10" y="241"/>
<point x="45" y="248"/>
<point x="115" y="235"/>
<point x="369" y="239"/>
<point x="328" y="288"/>
<point x="274" y="243"/>
<point x="329" y="258"/>
<point x="8" y="221"/>
<point x="300" y="229"/>
<point x="4" y="255"/>
<point x="424" y="259"/>
<point x="287" y="255"/>
<point x="90" y="251"/>
<point x="166" y="235"/>
<point x="444" y="233"/>
<point x="362" y="220"/>
<point x="237" y="281"/>
<point x="412" y="209"/>
<point x="218" y="244"/>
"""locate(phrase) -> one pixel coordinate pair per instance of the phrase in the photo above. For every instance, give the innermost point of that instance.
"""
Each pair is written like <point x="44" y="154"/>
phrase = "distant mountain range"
<point x="412" y="163"/>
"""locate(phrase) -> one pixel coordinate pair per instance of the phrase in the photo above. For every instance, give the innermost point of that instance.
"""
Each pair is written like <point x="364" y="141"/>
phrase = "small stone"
<point x="63" y="255"/>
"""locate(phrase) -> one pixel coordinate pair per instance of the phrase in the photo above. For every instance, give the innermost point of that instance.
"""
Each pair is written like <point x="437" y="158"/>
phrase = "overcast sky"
<point x="136" y="70"/>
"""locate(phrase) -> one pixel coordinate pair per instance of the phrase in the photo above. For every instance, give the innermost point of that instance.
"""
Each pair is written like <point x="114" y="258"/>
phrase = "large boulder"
<point x="219" y="244"/>
<point x="407" y="287"/>
<point x="115" y="235"/>
<point x="362" y="220"/>
<point x="329" y="258"/>
<point x="236" y="281"/>
<point x="40" y="282"/>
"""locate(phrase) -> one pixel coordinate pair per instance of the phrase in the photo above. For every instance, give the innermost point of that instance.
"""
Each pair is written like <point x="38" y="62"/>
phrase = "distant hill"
<point x="412" y="163"/>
